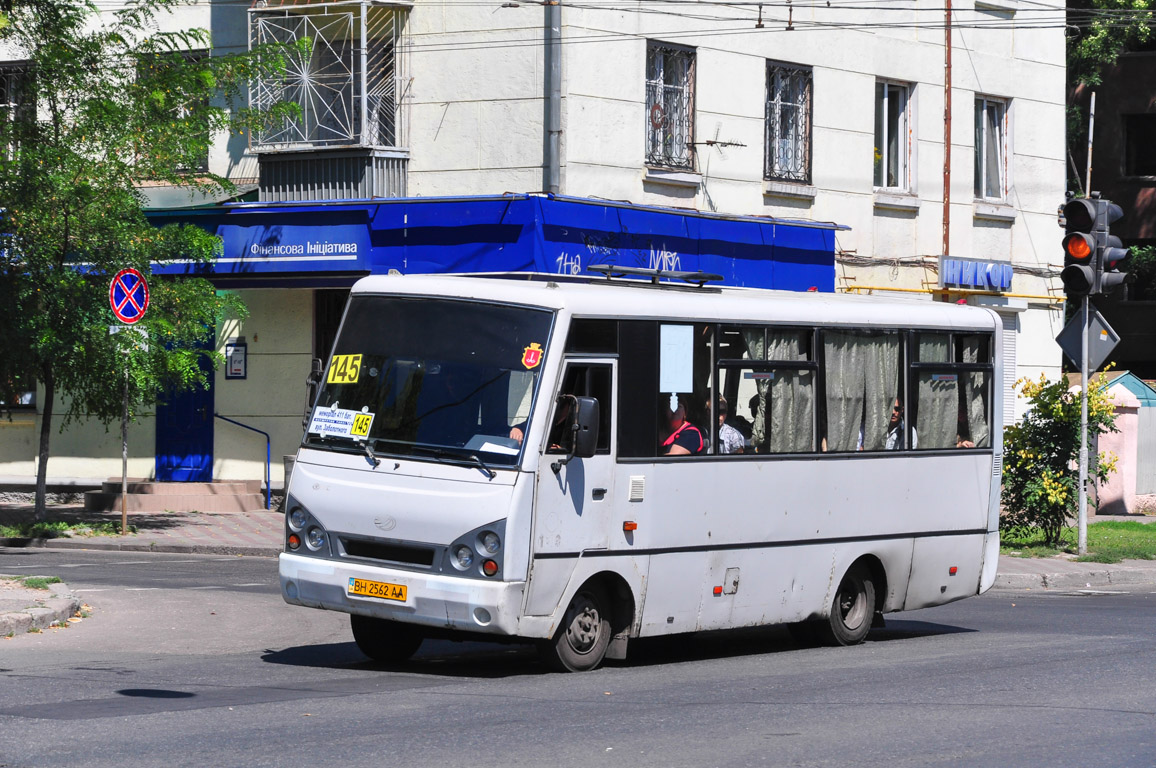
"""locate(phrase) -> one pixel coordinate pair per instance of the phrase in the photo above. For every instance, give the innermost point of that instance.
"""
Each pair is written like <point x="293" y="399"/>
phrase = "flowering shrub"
<point x="1041" y="455"/>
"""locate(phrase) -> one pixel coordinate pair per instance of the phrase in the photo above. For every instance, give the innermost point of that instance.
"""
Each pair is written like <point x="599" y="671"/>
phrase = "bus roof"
<point x="596" y="296"/>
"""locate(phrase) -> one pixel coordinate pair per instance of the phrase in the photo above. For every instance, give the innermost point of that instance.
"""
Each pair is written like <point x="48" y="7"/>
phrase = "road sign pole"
<point x="124" y="457"/>
<point x="1082" y="508"/>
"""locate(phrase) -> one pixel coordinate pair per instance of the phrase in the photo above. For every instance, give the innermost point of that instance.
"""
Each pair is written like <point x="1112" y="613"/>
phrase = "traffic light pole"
<point x="1082" y="508"/>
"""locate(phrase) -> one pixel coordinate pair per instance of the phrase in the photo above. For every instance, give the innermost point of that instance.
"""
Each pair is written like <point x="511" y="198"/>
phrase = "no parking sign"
<point x="129" y="296"/>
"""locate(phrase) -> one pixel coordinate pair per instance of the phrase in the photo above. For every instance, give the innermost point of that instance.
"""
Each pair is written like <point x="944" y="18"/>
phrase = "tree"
<point x="1041" y="473"/>
<point x="108" y="102"/>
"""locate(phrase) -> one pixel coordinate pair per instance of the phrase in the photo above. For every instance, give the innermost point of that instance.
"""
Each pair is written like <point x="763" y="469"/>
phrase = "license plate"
<point x="367" y="588"/>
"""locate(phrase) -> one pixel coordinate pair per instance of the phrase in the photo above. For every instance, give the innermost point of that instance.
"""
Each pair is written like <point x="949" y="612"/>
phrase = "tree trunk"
<point x="41" y="512"/>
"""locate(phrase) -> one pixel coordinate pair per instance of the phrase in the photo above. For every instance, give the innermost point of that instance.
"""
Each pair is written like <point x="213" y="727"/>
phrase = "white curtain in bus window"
<point x="975" y="392"/>
<point x="862" y="376"/>
<point x="785" y="395"/>
<point x="938" y="410"/>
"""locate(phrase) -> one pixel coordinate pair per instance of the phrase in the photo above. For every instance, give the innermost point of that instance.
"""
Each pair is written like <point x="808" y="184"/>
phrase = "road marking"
<point x="253" y="584"/>
<point x="90" y="590"/>
<point x="142" y="589"/>
<point x="211" y="586"/>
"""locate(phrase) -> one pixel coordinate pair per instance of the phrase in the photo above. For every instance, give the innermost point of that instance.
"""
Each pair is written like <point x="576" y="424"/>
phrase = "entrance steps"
<point x="148" y="496"/>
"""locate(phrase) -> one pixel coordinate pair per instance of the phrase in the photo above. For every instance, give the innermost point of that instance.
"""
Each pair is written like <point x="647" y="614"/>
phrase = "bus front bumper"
<point x="433" y="600"/>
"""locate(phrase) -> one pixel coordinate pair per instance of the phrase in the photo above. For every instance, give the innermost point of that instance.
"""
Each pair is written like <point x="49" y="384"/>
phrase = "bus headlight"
<point x="463" y="557"/>
<point x="315" y="538"/>
<point x="297" y="518"/>
<point x="490" y="542"/>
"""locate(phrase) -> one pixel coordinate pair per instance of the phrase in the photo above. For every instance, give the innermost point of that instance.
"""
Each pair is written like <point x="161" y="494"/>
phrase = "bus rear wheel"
<point x="580" y="643"/>
<point x="388" y="642"/>
<point x="853" y="608"/>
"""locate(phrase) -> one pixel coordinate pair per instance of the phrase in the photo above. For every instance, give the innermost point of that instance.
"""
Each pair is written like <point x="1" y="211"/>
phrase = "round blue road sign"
<point x="129" y="296"/>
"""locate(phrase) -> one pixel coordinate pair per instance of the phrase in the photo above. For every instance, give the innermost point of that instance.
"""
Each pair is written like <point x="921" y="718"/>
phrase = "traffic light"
<point x="1112" y="257"/>
<point x="1093" y="257"/>
<point x="1079" y="274"/>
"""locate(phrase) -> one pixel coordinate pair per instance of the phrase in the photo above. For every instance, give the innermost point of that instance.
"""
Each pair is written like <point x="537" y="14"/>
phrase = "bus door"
<point x="572" y="507"/>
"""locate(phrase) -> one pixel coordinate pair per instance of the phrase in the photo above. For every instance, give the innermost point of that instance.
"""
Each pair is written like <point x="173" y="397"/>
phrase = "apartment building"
<point x="828" y="117"/>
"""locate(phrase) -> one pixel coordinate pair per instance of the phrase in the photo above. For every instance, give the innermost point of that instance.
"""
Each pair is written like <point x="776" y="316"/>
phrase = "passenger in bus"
<point x="962" y="431"/>
<point x="730" y="439"/>
<point x="896" y="434"/>
<point x="684" y="438"/>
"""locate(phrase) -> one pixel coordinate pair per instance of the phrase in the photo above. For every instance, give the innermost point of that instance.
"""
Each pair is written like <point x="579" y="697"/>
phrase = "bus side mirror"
<point x="586" y="427"/>
<point x="583" y="441"/>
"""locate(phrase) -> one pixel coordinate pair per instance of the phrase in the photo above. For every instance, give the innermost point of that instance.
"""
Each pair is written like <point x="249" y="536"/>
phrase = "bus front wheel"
<point x="580" y="643"/>
<point x="853" y="609"/>
<point x="389" y="642"/>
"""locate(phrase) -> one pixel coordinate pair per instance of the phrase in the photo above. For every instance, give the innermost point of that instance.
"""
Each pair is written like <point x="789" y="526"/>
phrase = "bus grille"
<point x="394" y="553"/>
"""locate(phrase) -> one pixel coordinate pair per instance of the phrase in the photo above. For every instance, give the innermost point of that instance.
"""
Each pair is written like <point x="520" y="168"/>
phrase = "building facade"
<point x="822" y="114"/>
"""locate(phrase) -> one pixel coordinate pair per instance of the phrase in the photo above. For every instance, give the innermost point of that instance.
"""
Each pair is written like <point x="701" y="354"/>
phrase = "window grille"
<point x="788" y="126"/>
<point x="669" y="106"/>
<point x="17" y="105"/>
<point x="349" y="93"/>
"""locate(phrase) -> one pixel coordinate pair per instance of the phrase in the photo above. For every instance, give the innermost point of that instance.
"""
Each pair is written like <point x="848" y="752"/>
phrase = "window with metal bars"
<point x="339" y="106"/>
<point x="788" y="126"/>
<point x="17" y="105"/>
<point x="669" y="106"/>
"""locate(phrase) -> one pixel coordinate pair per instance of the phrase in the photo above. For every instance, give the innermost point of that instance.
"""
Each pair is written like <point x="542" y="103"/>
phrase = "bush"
<point x="1041" y="457"/>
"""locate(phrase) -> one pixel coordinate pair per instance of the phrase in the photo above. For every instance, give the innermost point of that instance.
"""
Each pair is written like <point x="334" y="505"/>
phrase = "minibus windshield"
<point x="432" y="378"/>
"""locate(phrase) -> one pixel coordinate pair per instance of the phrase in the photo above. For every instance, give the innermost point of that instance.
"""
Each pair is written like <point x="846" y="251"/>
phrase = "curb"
<point x="57" y="608"/>
<point x="1083" y="580"/>
<point x="141" y="546"/>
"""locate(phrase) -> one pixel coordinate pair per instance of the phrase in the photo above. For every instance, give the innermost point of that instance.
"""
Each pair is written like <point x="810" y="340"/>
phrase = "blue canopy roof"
<point x="318" y="242"/>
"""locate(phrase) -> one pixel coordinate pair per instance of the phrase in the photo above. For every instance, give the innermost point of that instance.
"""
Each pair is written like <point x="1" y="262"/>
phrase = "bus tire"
<point x="388" y="642"/>
<point x="580" y="643"/>
<point x="853" y="609"/>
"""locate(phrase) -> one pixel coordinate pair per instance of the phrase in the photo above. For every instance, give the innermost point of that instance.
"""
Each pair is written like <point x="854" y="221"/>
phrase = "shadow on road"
<point x="471" y="659"/>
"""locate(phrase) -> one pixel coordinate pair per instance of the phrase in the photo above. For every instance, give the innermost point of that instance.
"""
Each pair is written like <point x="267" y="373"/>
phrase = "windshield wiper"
<point x="442" y="453"/>
<point x="369" y="454"/>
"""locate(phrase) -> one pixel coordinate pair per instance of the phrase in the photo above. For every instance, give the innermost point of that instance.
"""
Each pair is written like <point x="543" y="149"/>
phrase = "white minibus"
<point x="578" y="461"/>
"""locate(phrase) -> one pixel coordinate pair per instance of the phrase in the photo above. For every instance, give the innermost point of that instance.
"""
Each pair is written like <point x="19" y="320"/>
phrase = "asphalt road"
<point x="169" y="672"/>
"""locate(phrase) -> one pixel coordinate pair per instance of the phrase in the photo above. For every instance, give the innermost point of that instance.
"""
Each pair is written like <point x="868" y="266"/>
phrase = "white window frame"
<point x="983" y="142"/>
<point x="904" y="149"/>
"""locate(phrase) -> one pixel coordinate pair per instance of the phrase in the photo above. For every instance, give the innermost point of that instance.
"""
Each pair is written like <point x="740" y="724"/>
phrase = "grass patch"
<point x="59" y="528"/>
<point x="1108" y="542"/>
<point x="35" y="582"/>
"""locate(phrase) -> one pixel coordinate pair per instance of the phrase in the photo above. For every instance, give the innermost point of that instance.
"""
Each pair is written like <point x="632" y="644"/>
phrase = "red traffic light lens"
<point x="1078" y="246"/>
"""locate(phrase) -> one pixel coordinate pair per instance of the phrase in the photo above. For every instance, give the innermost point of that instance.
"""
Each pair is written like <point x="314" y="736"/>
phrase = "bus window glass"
<point x="934" y="347"/>
<point x="972" y="348"/>
<point x="783" y="397"/>
<point x="936" y="409"/>
<point x="584" y="381"/>
<point x="437" y="377"/>
<point x="862" y="386"/>
<point x="973" y="423"/>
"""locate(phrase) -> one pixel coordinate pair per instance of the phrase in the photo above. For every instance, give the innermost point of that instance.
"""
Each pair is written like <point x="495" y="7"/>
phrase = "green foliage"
<point x="53" y="529"/>
<point x="1104" y="30"/>
<point x="36" y="582"/>
<point x="1041" y="455"/>
<point x="117" y="103"/>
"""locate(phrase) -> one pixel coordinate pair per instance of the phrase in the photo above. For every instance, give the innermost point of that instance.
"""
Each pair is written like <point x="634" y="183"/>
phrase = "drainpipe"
<point x="552" y="65"/>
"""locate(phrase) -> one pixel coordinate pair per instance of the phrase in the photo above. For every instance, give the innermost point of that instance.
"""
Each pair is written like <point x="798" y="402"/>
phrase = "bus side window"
<point x="952" y="391"/>
<point x="582" y="380"/>
<point x="862" y="385"/>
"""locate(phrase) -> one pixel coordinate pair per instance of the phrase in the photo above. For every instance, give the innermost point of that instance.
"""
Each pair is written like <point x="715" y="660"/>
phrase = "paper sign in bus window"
<point x="345" y="369"/>
<point x="340" y="422"/>
<point x="676" y="357"/>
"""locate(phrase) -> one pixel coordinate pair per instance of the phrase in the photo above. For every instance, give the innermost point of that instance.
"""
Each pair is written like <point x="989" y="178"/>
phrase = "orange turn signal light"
<point x="630" y="525"/>
<point x="294" y="541"/>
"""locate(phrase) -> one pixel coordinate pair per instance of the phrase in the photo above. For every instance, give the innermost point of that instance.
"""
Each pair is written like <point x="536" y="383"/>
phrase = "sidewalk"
<point x="217" y="533"/>
<point x="260" y="534"/>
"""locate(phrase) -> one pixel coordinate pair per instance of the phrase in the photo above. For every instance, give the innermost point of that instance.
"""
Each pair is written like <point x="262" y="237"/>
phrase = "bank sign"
<point x="975" y="274"/>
